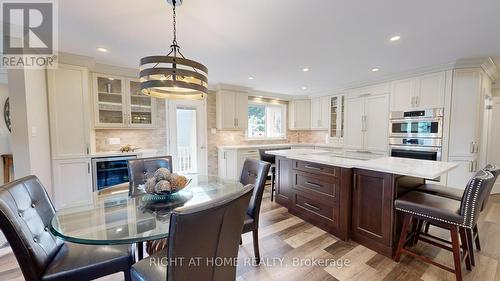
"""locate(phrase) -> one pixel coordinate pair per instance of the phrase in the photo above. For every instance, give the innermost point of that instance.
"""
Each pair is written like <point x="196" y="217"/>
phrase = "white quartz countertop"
<point x="250" y="146"/>
<point x="139" y="153"/>
<point x="400" y="166"/>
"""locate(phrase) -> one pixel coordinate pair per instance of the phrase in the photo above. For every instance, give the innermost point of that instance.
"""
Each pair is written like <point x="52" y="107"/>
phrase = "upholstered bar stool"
<point x="457" y="194"/>
<point x="271" y="159"/>
<point x="454" y="215"/>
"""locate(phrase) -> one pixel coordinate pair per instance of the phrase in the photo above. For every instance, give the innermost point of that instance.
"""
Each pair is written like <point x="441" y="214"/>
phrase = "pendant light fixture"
<point x="173" y="76"/>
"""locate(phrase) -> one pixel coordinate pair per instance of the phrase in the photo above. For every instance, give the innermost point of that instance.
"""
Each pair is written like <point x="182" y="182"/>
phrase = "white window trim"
<point x="283" y="118"/>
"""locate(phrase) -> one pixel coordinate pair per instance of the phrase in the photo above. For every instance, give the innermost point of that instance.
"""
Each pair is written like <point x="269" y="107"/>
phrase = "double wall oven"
<point x="417" y="134"/>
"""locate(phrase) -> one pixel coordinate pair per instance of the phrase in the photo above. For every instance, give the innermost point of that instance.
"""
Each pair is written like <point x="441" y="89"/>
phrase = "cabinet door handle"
<point x="413" y="101"/>
<point x="312" y="206"/>
<point x="88" y="168"/>
<point x="88" y="149"/>
<point x="417" y="101"/>
<point x="472" y="147"/>
<point x="313" y="184"/>
<point x="237" y="123"/>
<point x="471" y="166"/>
<point x="312" y="167"/>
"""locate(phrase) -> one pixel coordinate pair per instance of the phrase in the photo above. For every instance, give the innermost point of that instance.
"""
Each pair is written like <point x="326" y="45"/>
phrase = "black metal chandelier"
<point x="173" y="76"/>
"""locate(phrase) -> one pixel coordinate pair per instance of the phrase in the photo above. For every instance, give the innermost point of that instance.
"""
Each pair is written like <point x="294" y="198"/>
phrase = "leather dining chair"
<point x="199" y="236"/>
<point x="254" y="172"/>
<point x="25" y="215"/>
<point x="141" y="168"/>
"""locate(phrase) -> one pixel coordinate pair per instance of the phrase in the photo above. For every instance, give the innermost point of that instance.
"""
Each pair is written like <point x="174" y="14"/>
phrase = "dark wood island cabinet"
<point x="350" y="203"/>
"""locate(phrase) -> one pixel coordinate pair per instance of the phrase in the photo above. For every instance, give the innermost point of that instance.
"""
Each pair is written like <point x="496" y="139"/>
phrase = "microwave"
<point x="417" y="124"/>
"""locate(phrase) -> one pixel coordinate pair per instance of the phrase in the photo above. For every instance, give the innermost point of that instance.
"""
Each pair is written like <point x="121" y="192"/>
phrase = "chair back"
<point x="495" y="170"/>
<point x="269" y="157"/>
<point x="208" y="235"/>
<point x="474" y="196"/>
<point x="141" y="168"/>
<point x="255" y="172"/>
<point x="25" y="215"/>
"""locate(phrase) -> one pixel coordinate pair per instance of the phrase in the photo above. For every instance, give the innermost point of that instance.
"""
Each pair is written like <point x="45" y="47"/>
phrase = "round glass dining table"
<point x="114" y="217"/>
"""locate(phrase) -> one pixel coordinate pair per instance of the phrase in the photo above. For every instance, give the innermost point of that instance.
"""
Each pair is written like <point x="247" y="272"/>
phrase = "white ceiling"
<point x="339" y="40"/>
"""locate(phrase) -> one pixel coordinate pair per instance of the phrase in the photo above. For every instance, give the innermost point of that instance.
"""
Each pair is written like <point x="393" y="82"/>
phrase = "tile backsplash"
<point x="156" y="139"/>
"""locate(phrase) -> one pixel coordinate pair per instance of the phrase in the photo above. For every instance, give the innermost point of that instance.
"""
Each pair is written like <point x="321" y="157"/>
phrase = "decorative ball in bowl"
<point x="164" y="182"/>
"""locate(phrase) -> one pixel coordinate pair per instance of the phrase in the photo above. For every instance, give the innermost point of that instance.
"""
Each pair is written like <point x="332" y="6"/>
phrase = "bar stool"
<point x="454" y="215"/>
<point x="457" y="194"/>
<point x="272" y="160"/>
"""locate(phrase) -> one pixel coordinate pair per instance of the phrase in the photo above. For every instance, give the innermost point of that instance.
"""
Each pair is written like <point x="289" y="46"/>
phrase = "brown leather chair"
<point x="25" y="215"/>
<point x="254" y="172"/>
<point x="457" y="194"/>
<point x="271" y="159"/>
<point x="141" y="168"/>
<point x="200" y="234"/>
<point x="454" y="215"/>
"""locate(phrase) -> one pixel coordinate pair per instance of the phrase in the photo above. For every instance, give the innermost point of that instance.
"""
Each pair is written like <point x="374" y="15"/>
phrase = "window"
<point x="266" y="121"/>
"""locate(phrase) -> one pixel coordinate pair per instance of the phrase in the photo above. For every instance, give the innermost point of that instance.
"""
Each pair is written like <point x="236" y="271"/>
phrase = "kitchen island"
<point x="349" y="197"/>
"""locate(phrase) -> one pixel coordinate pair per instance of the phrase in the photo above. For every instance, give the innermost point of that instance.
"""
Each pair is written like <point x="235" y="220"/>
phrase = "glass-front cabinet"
<point x="336" y="130"/>
<point x="119" y="103"/>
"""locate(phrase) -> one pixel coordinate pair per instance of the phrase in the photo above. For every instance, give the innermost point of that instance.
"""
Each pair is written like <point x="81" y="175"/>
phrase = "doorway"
<point x="493" y="155"/>
<point x="186" y="135"/>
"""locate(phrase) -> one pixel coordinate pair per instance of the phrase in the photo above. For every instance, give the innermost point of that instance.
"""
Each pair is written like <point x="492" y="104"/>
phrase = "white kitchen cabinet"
<point x="402" y="94"/>
<point x="422" y="92"/>
<point x="300" y="114"/>
<point x="466" y="113"/>
<point x="320" y="111"/>
<point x="73" y="182"/>
<point x="430" y="90"/>
<point x="367" y="120"/>
<point x="354" y="120"/>
<point x="228" y="165"/>
<point x="376" y="123"/>
<point x="119" y="103"/>
<point x="231" y="110"/>
<point x="69" y="111"/>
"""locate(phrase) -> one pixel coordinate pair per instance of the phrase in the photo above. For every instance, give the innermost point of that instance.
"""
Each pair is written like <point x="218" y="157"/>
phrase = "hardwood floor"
<point x="289" y="245"/>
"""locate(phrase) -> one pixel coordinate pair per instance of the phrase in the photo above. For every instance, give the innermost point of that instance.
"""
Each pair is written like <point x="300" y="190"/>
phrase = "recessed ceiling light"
<point x="375" y="69"/>
<point x="395" y="38"/>
<point x="250" y="78"/>
<point x="104" y="50"/>
<point x="305" y="69"/>
<point x="304" y="88"/>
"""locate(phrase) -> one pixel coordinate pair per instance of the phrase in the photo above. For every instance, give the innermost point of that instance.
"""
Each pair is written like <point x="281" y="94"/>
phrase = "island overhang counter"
<point x="350" y="198"/>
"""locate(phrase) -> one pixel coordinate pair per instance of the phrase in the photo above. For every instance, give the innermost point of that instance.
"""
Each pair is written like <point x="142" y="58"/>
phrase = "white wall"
<point x="4" y="132"/>
<point x="30" y="139"/>
<point x="493" y="155"/>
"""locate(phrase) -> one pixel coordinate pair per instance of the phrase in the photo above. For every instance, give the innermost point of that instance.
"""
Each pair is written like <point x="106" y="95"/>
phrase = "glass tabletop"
<point x="115" y="218"/>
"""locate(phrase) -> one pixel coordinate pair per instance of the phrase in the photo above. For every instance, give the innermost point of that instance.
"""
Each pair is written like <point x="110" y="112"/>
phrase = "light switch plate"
<point x="114" y="141"/>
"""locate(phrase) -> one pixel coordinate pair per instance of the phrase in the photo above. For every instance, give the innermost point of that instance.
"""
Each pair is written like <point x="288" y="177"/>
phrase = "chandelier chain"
<point x="174" y="42"/>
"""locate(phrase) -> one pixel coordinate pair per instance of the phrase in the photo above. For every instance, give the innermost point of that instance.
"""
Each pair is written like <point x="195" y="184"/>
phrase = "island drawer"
<point x="316" y="184"/>
<point x="316" y="168"/>
<point x="316" y="210"/>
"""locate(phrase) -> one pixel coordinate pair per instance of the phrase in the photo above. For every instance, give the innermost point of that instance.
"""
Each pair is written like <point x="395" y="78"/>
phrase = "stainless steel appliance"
<point x="417" y="134"/>
<point x="426" y="123"/>
<point x="416" y="148"/>
<point x="109" y="171"/>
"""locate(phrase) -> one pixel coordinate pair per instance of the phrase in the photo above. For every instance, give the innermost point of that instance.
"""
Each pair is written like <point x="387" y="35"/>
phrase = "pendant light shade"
<point x="172" y="76"/>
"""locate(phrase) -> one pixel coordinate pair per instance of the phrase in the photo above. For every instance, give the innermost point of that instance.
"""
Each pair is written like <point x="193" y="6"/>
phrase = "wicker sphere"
<point x="162" y="174"/>
<point x="163" y="186"/>
<point x="149" y="185"/>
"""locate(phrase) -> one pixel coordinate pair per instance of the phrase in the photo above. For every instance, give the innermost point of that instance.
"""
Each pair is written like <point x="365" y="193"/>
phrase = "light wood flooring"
<point x="286" y="241"/>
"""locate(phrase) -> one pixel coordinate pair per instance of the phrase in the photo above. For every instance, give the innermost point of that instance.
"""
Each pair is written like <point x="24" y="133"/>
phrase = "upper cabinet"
<point x="119" y="103"/>
<point x="231" y="110"/>
<point x="300" y="114"/>
<point x="320" y="111"/>
<point x="427" y="91"/>
<point x="68" y="88"/>
<point x="367" y="123"/>
<point x="337" y="111"/>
